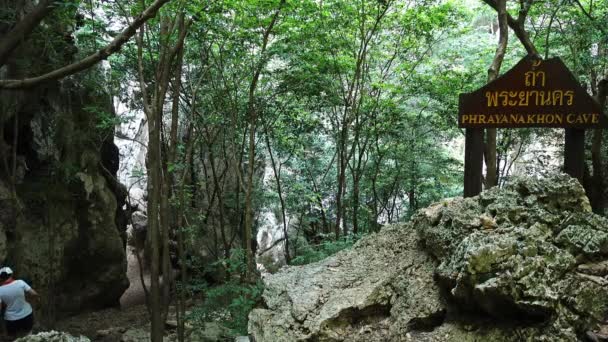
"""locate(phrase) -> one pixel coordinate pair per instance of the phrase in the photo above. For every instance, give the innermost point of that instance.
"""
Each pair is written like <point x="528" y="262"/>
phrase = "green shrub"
<point x="313" y="253"/>
<point x="230" y="302"/>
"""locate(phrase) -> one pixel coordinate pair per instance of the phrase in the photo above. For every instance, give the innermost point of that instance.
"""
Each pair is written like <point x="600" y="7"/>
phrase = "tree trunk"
<point x="340" y="179"/>
<point x="315" y="188"/>
<point x="490" y="144"/>
<point x="252" y="113"/>
<point x="158" y="187"/>
<point x="598" y="196"/>
<point x="356" y="180"/>
<point x="277" y="176"/>
<point x="154" y="186"/>
<point x="221" y="207"/>
<point x="491" y="179"/>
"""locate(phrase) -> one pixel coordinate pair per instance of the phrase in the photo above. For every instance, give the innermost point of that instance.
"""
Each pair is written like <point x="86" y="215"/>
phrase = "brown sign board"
<point x="534" y="93"/>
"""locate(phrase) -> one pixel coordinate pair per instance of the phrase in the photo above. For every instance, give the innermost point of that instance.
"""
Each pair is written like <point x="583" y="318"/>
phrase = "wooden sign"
<point x="534" y="93"/>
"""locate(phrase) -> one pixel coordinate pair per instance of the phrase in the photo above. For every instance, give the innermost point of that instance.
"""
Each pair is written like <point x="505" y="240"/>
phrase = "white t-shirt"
<point x="13" y="295"/>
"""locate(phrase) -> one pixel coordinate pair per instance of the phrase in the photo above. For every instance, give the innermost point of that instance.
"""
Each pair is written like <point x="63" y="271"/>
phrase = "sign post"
<point x="574" y="153"/>
<point x="473" y="161"/>
<point x="534" y="93"/>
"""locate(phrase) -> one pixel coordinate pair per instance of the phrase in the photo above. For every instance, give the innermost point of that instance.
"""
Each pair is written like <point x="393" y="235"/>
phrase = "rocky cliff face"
<point x="524" y="263"/>
<point x="61" y="227"/>
<point x="61" y="219"/>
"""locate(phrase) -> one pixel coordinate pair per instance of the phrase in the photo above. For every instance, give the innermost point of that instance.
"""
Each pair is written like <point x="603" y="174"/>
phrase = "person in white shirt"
<point x="19" y="316"/>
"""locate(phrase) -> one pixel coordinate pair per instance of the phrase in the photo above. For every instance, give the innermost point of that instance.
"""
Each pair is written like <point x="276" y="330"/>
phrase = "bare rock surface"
<point x="52" y="336"/>
<point x="523" y="263"/>
<point x="357" y="292"/>
<point x="61" y="218"/>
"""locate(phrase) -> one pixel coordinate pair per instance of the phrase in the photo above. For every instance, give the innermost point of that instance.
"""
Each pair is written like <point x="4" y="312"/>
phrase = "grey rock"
<point x="523" y="263"/>
<point x="140" y="221"/>
<point x="60" y="228"/>
<point x="518" y="258"/>
<point x="137" y="233"/>
<point x="52" y="336"/>
<point x="379" y="288"/>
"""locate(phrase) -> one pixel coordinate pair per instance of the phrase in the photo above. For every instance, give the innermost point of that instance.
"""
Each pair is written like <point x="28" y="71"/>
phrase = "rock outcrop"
<point x="525" y="263"/>
<point x="61" y="224"/>
<point x="354" y="293"/>
<point x="52" y="336"/>
<point x="61" y="219"/>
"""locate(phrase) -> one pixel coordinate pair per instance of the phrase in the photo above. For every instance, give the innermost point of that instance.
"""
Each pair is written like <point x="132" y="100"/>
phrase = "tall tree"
<point x="252" y="115"/>
<point x="172" y="30"/>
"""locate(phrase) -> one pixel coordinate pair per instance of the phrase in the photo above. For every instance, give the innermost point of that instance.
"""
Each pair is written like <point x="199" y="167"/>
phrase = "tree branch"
<point x="590" y="17"/>
<point x="502" y="42"/>
<point x="114" y="46"/>
<point x="24" y="28"/>
<point x="501" y="49"/>
<point x="517" y="25"/>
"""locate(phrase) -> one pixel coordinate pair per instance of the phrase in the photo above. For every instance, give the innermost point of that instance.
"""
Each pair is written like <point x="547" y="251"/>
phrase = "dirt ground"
<point x="112" y="321"/>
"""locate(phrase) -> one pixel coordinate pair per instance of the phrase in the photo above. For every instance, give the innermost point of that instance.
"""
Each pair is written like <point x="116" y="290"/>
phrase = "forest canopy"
<point x="335" y="117"/>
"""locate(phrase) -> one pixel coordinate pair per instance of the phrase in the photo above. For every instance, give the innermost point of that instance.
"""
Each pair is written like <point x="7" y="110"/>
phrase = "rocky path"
<point x="135" y="294"/>
<point x="109" y="324"/>
<point x="105" y="325"/>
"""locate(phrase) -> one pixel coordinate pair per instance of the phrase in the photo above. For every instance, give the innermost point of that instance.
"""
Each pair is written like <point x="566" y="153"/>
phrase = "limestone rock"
<point x="52" y="336"/>
<point x="529" y="265"/>
<point x="137" y="232"/>
<point x="62" y="228"/>
<point x="523" y="263"/>
<point x="378" y="289"/>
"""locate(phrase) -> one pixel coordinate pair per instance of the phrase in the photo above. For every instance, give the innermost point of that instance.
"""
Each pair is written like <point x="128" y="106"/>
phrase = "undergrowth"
<point x="312" y="253"/>
<point x="230" y="302"/>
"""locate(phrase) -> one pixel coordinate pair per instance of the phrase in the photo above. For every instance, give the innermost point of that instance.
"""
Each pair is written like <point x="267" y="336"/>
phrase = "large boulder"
<point x="379" y="288"/>
<point x="61" y="217"/>
<point x="524" y="263"/>
<point x="63" y="233"/>
<point x="530" y="253"/>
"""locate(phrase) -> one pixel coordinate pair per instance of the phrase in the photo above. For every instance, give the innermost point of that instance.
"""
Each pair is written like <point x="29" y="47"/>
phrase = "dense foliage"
<point x="322" y="119"/>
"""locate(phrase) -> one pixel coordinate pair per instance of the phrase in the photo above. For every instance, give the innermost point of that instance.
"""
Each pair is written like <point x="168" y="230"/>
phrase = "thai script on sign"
<point x="522" y="98"/>
<point x="534" y="93"/>
<point x="539" y="97"/>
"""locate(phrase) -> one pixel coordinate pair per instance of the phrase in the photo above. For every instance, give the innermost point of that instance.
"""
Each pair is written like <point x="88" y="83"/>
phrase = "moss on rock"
<point x="523" y="263"/>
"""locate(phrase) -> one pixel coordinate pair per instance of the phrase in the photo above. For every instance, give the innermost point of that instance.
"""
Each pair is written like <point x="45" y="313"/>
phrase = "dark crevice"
<point x="428" y="323"/>
<point x="372" y="313"/>
<point x="497" y="311"/>
<point x="490" y="308"/>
